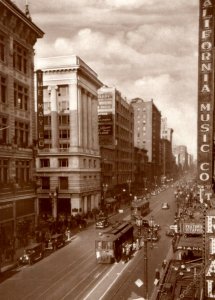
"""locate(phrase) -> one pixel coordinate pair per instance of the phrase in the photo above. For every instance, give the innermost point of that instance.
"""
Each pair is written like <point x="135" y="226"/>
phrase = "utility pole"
<point x="145" y="268"/>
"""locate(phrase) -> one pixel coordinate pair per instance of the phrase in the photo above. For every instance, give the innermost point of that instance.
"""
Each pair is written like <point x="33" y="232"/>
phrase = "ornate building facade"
<point x="18" y="35"/>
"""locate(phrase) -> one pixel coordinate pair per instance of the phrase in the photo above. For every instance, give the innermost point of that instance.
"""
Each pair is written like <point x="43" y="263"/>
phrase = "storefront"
<point x="189" y="248"/>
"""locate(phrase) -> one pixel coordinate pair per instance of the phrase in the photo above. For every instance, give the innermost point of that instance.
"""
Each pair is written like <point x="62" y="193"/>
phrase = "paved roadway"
<point x="72" y="272"/>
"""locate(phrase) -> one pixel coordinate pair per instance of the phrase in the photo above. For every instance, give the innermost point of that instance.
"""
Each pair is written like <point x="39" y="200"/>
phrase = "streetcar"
<point x="109" y="245"/>
<point x="139" y="208"/>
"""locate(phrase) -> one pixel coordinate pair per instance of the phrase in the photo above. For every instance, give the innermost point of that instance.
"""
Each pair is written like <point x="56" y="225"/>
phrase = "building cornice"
<point x="21" y="16"/>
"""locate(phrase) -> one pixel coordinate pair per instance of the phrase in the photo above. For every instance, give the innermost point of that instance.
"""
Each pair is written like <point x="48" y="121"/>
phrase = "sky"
<point x="144" y="48"/>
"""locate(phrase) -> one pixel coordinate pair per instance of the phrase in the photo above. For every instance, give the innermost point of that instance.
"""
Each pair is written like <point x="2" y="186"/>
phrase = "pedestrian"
<point x="157" y="274"/>
<point x="164" y="263"/>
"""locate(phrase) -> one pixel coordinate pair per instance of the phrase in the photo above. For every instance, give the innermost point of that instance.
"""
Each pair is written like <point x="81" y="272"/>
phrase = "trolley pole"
<point x="145" y="268"/>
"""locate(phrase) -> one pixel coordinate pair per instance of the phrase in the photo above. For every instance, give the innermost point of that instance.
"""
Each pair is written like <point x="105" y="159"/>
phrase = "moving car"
<point x="165" y="205"/>
<point x="102" y="222"/>
<point x="31" y="254"/>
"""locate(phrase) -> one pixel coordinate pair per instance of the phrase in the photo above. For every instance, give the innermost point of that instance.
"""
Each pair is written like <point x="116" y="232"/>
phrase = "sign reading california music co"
<point x="205" y="92"/>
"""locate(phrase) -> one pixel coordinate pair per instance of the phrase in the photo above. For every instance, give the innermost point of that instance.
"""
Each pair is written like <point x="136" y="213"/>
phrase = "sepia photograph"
<point x="107" y="150"/>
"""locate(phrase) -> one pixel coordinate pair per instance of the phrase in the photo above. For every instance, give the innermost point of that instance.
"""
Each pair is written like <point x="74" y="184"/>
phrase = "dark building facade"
<point x="116" y="139"/>
<point x="18" y="35"/>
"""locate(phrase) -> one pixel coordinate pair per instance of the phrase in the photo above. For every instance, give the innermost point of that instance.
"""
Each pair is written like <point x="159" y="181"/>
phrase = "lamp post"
<point x="139" y="223"/>
<point x="53" y="196"/>
<point x="129" y="188"/>
<point x="104" y="191"/>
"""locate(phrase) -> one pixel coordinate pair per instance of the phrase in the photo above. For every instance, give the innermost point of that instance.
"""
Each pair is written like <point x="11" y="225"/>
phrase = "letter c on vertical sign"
<point x="204" y="168"/>
<point x="204" y="148"/>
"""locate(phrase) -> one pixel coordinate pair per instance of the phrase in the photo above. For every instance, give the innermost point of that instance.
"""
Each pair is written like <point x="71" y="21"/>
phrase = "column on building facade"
<point x="89" y="120"/>
<point x="73" y="111"/>
<point x="85" y="116"/>
<point x="85" y="208"/>
<point x="54" y="207"/>
<point x="95" y="142"/>
<point x="54" y="116"/>
<point x="37" y="210"/>
<point x="75" y="203"/>
<point x="80" y="116"/>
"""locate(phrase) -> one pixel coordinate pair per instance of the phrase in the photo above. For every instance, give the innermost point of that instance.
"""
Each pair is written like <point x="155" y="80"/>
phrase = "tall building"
<point x="166" y="133"/>
<point x="115" y="138"/>
<point x="68" y="165"/>
<point x="147" y="128"/>
<point x="167" y="160"/>
<point x="181" y="155"/>
<point x="18" y="35"/>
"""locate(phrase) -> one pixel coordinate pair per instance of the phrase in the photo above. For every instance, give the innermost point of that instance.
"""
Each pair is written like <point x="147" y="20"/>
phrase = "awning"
<point x="190" y="243"/>
<point x="110" y="200"/>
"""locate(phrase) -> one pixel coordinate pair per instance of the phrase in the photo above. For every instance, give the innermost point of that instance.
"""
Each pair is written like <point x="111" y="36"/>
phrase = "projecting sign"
<point x="40" y="114"/>
<point x="205" y="92"/>
<point x="192" y="228"/>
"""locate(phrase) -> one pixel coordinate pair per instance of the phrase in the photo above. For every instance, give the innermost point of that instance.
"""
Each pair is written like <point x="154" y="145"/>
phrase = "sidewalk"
<point x="10" y="265"/>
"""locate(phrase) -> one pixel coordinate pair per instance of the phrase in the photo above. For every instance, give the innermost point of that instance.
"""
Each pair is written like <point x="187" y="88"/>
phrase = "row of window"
<point x="21" y="137"/>
<point x="64" y="162"/>
<point x="20" y="54"/>
<point x="62" y="119"/>
<point x="22" y="171"/>
<point x="21" y="94"/>
<point x="3" y="130"/>
<point x="63" y="134"/>
<point x="63" y="182"/>
<point x="22" y="132"/>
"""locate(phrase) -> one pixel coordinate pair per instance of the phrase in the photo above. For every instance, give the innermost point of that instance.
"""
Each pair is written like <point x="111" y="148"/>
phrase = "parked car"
<point x="170" y="232"/>
<point x="31" y="254"/>
<point x="56" y="241"/>
<point x="102" y="222"/>
<point x="165" y="205"/>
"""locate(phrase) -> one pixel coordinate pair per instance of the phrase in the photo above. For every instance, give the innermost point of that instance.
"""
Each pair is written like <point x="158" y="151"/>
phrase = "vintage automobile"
<point x="31" y="254"/>
<point x="170" y="232"/>
<point x="56" y="241"/>
<point x="102" y="222"/>
<point x="165" y="205"/>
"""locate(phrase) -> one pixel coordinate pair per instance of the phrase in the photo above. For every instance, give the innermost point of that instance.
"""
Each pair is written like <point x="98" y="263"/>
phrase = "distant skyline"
<point x="144" y="48"/>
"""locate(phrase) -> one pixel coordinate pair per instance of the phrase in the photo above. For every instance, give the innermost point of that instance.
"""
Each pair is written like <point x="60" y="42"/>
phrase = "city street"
<point x="72" y="272"/>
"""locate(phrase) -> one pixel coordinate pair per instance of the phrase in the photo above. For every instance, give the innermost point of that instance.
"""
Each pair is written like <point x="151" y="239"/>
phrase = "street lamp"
<point x="53" y="197"/>
<point x="129" y="185"/>
<point x="104" y="190"/>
